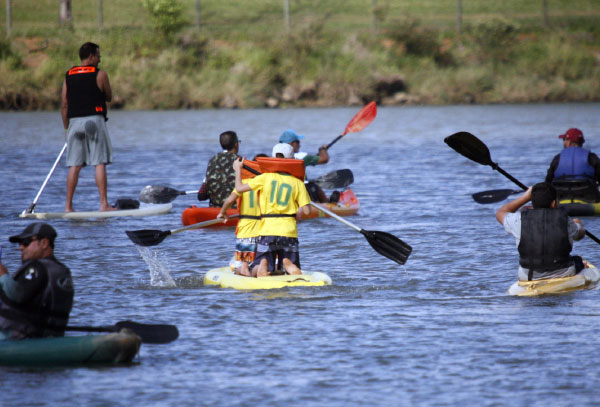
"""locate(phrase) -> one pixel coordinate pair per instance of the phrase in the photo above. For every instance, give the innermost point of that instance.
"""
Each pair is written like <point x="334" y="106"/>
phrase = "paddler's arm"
<point x="513" y="206"/>
<point x="64" y="106"/>
<point x="581" y="231"/>
<point x="226" y="205"/>
<point x="239" y="186"/>
<point x="323" y="155"/>
<point x="305" y="209"/>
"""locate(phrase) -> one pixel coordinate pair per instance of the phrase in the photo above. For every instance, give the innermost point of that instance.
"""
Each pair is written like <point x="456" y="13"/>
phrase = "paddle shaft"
<point x="335" y="216"/>
<point x="32" y="206"/>
<point x="200" y="225"/>
<point x="334" y="141"/>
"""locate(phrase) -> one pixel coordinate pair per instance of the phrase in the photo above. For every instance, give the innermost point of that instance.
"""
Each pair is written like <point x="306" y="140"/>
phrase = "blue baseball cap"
<point x="289" y="136"/>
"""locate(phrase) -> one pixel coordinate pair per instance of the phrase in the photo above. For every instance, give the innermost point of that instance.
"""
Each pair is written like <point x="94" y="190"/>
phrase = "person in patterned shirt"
<point x="220" y="177"/>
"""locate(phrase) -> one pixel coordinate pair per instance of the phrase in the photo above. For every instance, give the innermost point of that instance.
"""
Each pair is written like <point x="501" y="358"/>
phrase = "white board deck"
<point x="149" y="210"/>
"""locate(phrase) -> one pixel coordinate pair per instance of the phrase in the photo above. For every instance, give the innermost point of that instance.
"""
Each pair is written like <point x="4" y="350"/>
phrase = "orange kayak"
<point x="347" y="205"/>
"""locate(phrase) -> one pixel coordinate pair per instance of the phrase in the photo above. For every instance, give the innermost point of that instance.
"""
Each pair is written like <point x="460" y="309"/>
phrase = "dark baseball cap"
<point x="39" y="229"/>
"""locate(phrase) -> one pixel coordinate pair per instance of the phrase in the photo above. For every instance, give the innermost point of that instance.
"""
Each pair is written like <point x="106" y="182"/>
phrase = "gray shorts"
<point x="88" y="142"/>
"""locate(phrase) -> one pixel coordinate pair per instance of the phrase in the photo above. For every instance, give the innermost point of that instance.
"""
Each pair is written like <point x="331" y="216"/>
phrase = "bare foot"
<point x="69" y="209"/>
<point x="105" y="208"/>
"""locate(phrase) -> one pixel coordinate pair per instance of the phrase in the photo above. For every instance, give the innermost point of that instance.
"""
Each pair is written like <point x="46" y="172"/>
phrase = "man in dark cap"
<point x="544" y="234"/>
<point x="37" y="299"/>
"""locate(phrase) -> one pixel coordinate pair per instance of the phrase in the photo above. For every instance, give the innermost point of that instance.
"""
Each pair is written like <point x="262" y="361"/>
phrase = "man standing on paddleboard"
<point x="37" y="299"/>
<point x="544" y="234"/>
<point x="85" y="91"/>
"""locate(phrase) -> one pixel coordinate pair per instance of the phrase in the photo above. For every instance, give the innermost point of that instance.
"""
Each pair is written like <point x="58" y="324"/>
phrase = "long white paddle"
<point x="32" y="206"/>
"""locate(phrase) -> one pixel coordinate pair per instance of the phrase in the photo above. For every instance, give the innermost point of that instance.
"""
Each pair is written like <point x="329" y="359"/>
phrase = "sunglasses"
<point x="27" y="241"/>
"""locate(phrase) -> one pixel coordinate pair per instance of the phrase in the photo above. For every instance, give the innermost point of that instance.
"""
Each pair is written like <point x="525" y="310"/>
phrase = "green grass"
<point x="243" y="56"/>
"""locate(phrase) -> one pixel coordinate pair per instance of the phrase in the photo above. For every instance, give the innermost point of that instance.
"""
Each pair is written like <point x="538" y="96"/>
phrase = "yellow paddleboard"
<point x="224" y="277"/>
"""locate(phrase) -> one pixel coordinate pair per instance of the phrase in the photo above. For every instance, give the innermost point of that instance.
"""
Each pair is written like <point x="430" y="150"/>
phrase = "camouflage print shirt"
<point x="220" y="177"/>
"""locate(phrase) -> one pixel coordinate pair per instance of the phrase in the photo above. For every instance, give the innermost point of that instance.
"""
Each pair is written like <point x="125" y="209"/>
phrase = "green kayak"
<point x="113" y="348"/>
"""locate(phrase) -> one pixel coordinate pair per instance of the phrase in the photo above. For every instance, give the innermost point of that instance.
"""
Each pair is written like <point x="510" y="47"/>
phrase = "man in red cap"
<point x="574" y="162"/>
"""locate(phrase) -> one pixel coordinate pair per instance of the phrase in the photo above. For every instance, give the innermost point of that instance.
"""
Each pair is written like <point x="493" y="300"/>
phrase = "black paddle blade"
<point x="470" y="146"/>
<point x="147" y="237"/>
<point x="151" y="333"/>
<point x="388" y="245"/>
<point x="158" y="194"/>
<point x="335" y="179"/>
<point x="494" y="195"/>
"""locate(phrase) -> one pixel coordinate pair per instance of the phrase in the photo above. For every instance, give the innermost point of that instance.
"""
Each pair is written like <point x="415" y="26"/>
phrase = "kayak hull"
<point x="108" y="349"/>
<point x="586" y="279"/>
<point x="149" y="210"/>
<point x="225" y="278"/>
<point x="348" y="205"/>
<point x="580" y="208"/>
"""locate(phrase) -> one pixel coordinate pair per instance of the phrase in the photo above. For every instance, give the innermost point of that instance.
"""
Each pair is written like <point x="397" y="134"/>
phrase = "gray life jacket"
<point x="46" y="304"/>
<point x="545" y="244"/>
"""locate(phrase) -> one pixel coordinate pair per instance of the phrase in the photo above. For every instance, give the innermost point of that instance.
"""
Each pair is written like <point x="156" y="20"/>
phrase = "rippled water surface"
<point x="438" y="331"/>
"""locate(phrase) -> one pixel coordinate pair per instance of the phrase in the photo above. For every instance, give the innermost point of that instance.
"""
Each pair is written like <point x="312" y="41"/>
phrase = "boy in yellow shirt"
<point x="279" y="195"/>
<point x="247" y="229"/>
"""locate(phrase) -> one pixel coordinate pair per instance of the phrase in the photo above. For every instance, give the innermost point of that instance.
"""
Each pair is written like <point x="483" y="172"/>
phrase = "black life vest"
<point x="46" y="312"/>
<point x="83" y="94"/>
<point x="545" y="244"/>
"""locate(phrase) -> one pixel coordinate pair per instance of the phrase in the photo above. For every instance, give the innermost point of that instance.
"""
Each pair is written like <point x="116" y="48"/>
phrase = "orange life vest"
<point x="287" y="165"/>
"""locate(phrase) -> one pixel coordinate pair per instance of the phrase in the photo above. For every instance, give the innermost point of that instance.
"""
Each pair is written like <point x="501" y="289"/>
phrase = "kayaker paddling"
<point x="37" y="300"/>
<point x="317" y="194"/>
<point x="575" y="171"/>
<point x="220" y="179"/>
<point x="544" y="234"/>
<point x="280" y="196"/>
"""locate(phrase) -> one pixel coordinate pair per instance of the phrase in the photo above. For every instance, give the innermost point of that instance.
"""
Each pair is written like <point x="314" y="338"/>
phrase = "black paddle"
<point x="474" y="149"/>
<point x="162" y="194"/>
<point x="152" y="237"/>
<point x="384" y="243"/>
<point x="335" y="179"/>
<point x="149" y="333"/>
<point x="494" y="195"/>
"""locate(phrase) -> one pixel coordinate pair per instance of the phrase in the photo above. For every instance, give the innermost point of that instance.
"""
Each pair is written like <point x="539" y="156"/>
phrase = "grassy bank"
<point x="334" y="53"/>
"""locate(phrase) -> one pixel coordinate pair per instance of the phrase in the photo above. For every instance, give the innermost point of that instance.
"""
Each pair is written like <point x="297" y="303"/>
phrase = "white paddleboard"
<point x="148" y="210"/>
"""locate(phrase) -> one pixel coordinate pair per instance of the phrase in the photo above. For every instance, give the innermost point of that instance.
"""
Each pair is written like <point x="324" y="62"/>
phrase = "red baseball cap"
<point x="573" y="134"/>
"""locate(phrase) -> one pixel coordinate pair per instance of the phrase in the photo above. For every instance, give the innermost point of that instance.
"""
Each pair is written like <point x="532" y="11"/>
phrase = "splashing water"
<point x="159" y="272"/>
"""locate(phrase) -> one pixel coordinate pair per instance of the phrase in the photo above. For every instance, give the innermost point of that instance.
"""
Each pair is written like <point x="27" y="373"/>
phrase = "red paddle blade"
<point x="362" y="119"/>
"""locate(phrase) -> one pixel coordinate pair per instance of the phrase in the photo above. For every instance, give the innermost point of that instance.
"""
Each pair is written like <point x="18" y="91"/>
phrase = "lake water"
<point x="439" y="330"/>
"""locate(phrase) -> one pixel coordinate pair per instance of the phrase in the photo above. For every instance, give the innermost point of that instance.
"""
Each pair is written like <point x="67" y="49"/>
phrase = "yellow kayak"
<point x="224" y="277"/>
<point x="585" y="279"/>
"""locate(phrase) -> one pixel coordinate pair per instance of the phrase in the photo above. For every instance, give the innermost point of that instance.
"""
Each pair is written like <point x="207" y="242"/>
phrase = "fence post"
<point x="374" y="16"/>
<point x="459" y="15"/>
<point x="100" y="15"/>
<point x="545" y="13"/>
<point x="286" y="14"/>
<point x="198" y="14"/>
<point x="64" y="13"/>
<point x="8" y="17"/>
